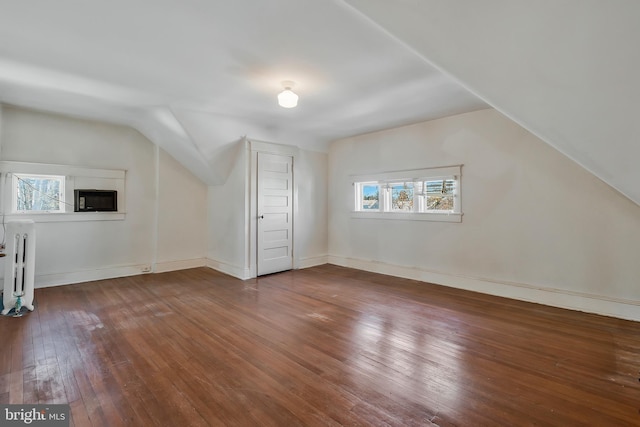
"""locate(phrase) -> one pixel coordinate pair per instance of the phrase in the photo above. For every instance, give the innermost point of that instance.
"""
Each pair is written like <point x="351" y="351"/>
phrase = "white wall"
<point x="536" y="226"/>
<point x="574" y="84"/>
<point x="182" y="216"/>
<point x="69" y="252"/>
<point x="173" y="220"/>
<point x="230" y="225"/>
<point x="311" y="223"/>
<point x="227" y="220"/>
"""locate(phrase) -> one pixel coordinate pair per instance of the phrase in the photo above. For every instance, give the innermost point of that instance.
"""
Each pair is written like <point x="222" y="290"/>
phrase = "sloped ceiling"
<point x="566" y="70"/>
<point x="195" y="76"/>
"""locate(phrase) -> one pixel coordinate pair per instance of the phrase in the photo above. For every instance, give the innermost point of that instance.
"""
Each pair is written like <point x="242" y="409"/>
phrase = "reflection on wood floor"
<point x="321" y="346"/>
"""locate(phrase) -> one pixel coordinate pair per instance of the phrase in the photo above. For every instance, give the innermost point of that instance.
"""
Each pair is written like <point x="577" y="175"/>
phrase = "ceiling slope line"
<point x="491" y="102"/>
<point x="162" y="128"/>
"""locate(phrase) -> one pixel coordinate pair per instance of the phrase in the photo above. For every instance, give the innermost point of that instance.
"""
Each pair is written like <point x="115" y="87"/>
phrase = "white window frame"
<point x="386" y="180"/>
<point x="16" y="177"/>
<point x="75" y="177"/>
<point x="360" y="196"/>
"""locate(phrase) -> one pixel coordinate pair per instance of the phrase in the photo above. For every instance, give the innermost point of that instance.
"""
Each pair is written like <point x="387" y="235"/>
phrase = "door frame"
<point x="255" y="147"/>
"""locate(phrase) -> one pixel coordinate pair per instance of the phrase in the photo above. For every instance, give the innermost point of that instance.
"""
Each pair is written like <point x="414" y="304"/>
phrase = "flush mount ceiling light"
<point x="287" y="98"/>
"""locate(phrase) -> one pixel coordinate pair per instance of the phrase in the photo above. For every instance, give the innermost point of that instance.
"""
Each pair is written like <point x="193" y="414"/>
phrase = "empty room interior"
<point x="345" y="212"/>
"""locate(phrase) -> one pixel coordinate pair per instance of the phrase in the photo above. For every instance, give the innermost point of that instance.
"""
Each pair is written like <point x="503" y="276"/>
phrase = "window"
<point x="369" y="194"/>
<point x="440" y="195"/>
<point x="402" y="196"/>
<point x="422" y="194"/>
<point x="38" y="193"/>
<point x="44" y="192"/>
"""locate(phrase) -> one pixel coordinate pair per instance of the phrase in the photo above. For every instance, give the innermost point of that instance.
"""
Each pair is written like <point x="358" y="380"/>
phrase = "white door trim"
<point x="271" y="148"/>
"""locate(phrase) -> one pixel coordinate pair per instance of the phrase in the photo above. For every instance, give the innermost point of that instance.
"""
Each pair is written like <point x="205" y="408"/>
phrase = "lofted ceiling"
<point x="566" y="70"/>
<point x="195" y="76"/>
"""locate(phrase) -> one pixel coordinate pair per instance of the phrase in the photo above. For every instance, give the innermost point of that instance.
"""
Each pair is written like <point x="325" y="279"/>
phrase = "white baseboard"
<point x="312" y="261"/>
<point x="165" y="266"/>
<point x="68" y="278"/>
<point x="112" y="272"/>
<point x="245" y="273"/>
<point x="226" y="268"/>
<point x="580" y="301"/>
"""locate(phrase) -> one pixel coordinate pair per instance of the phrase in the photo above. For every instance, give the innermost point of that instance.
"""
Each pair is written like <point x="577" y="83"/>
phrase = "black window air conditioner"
<point x="95" y="201"/>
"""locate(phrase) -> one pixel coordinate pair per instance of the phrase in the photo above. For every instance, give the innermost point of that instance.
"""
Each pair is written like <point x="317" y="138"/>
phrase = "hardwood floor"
<point x="321" y="346"/>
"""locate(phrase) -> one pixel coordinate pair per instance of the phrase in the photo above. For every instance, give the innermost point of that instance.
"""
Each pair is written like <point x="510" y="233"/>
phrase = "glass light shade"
<point x="287" y="99"/>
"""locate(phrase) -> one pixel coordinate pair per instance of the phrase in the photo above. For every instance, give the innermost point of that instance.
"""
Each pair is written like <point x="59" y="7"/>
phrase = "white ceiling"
<point x="195" y="76"/>
<point x="565" y="70"/>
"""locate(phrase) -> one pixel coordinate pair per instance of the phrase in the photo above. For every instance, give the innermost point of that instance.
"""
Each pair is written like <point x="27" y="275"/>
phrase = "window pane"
<point x="440" y="194"/>
<point x="39" y="194"/>
<point x="370" y="197"/>
<point x="439" y="203"/>
<point x="443" y="186"/>
<point x="402" y="196"/>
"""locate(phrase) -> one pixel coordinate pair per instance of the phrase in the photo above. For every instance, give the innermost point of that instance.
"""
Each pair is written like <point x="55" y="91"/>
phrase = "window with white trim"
<point x="44" y="192"/>
<point x="368" y="196"/>
<point x="422" y="194"/>
<point x="37" y="193"/>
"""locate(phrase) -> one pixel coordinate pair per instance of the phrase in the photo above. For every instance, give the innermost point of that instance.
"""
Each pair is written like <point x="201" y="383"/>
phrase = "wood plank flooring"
<point x="325" y="346"/>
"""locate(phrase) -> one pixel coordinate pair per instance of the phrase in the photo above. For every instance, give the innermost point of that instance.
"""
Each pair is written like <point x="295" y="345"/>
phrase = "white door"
<point x="275" y="213"/>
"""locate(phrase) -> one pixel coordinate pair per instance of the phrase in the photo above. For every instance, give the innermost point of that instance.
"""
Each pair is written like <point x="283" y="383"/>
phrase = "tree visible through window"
<point x="432" y="193"/>
<point x="39" y="193"/>
<point x="402" y="196"/>
<point x="440" y="194"/>
<point x="370" y="197"/>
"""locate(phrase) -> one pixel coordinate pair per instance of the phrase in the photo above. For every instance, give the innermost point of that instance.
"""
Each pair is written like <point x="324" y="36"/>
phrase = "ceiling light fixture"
<point x="287" y="98"/>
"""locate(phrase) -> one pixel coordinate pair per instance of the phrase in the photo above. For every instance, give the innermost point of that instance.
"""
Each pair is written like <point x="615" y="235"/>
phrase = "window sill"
<point x="68" y="216"/>
<point x="409" y="216"/>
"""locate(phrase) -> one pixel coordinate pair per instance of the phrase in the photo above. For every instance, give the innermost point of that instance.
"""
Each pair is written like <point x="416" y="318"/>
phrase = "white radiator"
<point x="19" y="267"/>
